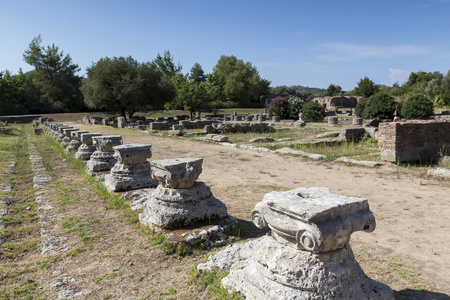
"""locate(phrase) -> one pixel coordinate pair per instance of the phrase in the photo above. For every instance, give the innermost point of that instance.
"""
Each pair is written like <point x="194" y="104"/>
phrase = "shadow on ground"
<point x="247" y="230"/>
<point x="409" y="294"/>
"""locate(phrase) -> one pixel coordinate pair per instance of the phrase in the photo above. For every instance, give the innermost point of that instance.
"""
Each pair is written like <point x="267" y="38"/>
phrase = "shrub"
<point x="279" y="106"/>
<point x="417" y="107"/>
<point x="379" y="106"/>
<point x="359" y="109"/>
<point x="295" y="106"/>
<point x="313" y="112"/>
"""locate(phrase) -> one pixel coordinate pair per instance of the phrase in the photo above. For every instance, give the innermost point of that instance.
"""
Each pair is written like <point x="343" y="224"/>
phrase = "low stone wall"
<point x="414" y="141"/>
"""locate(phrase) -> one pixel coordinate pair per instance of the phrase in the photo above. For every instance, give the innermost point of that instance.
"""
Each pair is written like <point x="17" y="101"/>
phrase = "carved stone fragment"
<point x="132" y="170"/>
<point x="87" y="148"/>
<point x="102" y="160"/>
<point x="307" y="255"/>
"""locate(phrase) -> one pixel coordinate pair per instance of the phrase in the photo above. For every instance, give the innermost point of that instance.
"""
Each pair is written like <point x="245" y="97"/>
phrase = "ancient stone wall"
<point x="414" y="141"/>
<point x="331" y="103"/>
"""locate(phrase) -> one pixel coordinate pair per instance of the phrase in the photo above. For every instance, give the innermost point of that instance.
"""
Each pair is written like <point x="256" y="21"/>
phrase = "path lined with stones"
<point x="5" y="195"/>
<point x="54" y="243"/>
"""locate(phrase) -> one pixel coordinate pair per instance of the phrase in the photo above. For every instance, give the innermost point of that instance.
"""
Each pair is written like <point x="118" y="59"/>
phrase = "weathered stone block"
<point x="171" y="208"/>
<point x="313" y="219"/>
<point x="332" y="120"/>
<point x="121" y="122"/>
<point x="275" y="271"/>
<point x="102" y="160"/>
<point x="132" y="170"/>
<point x="351" y="134"/>
<point x="86" y="149"/>
<point x="320" y="222"/>
<point x="178" y="172"/>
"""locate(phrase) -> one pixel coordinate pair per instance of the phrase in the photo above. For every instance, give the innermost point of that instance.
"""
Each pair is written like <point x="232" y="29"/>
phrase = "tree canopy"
<point x="366" y="88"/>
<point x="238" y="81"/>
<point x="332" y="90"/>
<point x="54" y="77"/>
<point x="124" y="85"/>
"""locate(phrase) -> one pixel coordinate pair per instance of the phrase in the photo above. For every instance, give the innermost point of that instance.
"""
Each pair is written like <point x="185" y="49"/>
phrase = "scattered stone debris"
<point x="45" y="207"/>
<point x="54" y="245"/>
<point x="223" y="260"/>
<point x="69" y="294"/>
<point x="286" y="150"/>
<point x="216" y="137"/>
<point x="61" y="282"/>
<point x="440" y="172"/>
<point x="365" y="163"/>
<point x="332" y="134"/>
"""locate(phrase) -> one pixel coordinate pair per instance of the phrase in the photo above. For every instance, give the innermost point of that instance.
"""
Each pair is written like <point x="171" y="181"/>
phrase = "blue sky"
<point x="309" y="43"/>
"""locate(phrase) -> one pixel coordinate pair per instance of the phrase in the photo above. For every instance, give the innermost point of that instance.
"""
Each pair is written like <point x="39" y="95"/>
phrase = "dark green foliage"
<point x="359" y="109"/>
<point x="197" y="74"/>
<point x="238" y="81"/>
<point x="165" y="64"/>
<point x="332" y="90"/>
<point x="443" y="99"/>
<point x="54" y="81"/>
<point x="124" y="85"/>
<point x="379" y="106"/>
<point x="191" y="95"/>
<point x="279" y="106"/>
<point x="417" y="107"/>
<point x="366" y="88"/>
<point x="313" y="112"/>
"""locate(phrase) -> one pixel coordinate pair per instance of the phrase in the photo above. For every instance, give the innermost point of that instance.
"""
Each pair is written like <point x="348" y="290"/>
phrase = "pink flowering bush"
<point x="279" y="106"/>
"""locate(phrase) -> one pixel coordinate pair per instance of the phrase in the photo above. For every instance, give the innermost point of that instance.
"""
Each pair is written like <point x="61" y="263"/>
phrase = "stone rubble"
<point x="440" y="172"/>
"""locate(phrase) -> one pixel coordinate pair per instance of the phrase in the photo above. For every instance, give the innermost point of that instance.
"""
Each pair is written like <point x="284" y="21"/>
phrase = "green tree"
<point x="444" y="95"/>
<point x="124" y="85"/>
<point x="366" y="88"/>
<point x="54" y="77"/>
<point x="379" y="106"/>
<point x="238" y="81"/>
<point x="359" y="109"/>
<point x="166" y="65"/>
<point x="190" y="95"/>
<point x="313" y="112"/>
<point x="197" y="74"/>
<point x="11" y="87"/>
<point x="333" y="90"/>
<point x="417" y="107"/>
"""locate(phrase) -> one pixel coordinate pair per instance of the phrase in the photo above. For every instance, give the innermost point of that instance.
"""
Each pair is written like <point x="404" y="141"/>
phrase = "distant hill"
<point x="298" y="90"/>
<point x="312" y="90"/>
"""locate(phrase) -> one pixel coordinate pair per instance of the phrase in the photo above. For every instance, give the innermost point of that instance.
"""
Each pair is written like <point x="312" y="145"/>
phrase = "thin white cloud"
<point x="430" y="3"/>
<point x="398" y="75"/>
<point x="348" y="51"/>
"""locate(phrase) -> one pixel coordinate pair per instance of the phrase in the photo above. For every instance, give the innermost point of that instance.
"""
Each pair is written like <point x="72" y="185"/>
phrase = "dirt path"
<point x="409" y="248"/>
